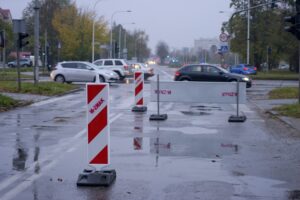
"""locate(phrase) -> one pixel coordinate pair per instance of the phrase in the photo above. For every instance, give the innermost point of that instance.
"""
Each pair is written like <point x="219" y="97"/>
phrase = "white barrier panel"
<point x="98" y="124"/>
<point x="199" y="92"/>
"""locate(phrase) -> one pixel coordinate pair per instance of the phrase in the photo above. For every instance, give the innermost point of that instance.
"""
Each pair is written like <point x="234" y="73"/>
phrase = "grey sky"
<point x="176" y="22"/>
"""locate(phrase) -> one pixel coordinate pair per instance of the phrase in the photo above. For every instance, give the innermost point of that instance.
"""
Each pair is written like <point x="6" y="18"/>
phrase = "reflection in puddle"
<point x="194" y="113"/>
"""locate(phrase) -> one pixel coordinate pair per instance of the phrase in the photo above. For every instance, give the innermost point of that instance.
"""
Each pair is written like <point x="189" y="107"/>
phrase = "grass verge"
<point x="292" y="110"/>
<point x="7" y="103"/>
<point x="284" y="93"/>
<point x="276" y="75"/>
<point x="43" y="88"/>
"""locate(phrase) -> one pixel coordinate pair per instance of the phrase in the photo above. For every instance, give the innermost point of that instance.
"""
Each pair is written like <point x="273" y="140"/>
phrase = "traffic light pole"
<point x="299" y="75"/>
<point x="36" y="42"/>
<point x="18" y="65"/>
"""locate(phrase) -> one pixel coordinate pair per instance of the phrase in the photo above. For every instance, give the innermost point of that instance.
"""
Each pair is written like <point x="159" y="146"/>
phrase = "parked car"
<point x="24" y="62"/>
<point x="77" y="71"/>
<point x="148" y="71"/>
<point x="120" y="66"/>
<point x="209" y="73"/>
<point x="243" y="69"/>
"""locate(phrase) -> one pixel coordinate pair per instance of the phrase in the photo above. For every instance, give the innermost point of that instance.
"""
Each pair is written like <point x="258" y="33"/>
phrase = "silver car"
<point x="78" y="71"/>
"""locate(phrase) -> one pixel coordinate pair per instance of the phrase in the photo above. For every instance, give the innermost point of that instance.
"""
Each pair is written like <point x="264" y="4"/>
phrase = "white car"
<point x="78" y="71"/>
<point x="148" y="71"/>
<point x="119" y="66"/>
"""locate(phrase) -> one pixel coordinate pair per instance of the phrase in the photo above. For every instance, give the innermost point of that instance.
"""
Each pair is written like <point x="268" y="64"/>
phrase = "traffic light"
<point x="294" y="27"/>
<point x="21" y="42"/>
<point x="2" y="39"/>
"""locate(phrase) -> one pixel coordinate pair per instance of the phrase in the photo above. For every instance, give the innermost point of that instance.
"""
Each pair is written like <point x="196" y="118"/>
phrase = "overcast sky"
<point x="176" y="22"/>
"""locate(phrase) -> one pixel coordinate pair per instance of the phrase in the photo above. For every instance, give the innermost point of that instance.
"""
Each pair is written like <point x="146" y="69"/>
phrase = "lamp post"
<point x="93" y="37"/>
<point x="111" y="26"/>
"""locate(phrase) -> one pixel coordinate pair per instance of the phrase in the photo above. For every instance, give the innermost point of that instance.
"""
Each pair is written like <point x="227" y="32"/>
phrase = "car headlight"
<point x="245" y="79"/>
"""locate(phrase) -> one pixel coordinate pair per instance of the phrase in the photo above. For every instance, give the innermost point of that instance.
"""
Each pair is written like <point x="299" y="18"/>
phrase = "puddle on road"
<point x="61" y="119"/>
<point x="191" y="130"/>
<point x="191" y="113"/>
<point x="206" y="108"/>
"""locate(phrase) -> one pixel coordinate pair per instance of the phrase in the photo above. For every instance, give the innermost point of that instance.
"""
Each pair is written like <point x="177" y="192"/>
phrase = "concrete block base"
<point x="96" y="178"/>
<point x="234" y="118"/>
<point x="158" y="117"/>
<point x="139" y="109"/>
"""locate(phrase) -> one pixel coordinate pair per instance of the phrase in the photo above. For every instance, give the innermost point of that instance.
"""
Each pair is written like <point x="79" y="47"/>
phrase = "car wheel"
<point x="101" y="79"/>
<point x="120" y="76"/>
<point x="60" y="79"/>
<point x="11" y="65"/>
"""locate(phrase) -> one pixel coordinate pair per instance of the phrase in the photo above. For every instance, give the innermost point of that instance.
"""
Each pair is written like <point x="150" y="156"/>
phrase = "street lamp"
<point x="111" y="24"/>
<point x="93" y="37"/>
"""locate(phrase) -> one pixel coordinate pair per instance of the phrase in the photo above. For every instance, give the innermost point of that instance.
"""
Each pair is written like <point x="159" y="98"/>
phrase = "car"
<point x="243" y="69"/>
<point x="79" y="71"/>
<point x="148" y="71"/>
<point x="24" y="62"/>
<point x="209" y="73"/>
<point x="120" y="66"/>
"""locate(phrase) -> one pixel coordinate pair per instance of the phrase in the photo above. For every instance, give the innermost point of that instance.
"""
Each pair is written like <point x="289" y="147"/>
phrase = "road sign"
<point x="224" y="48"/>
<point x="223" y="37"/>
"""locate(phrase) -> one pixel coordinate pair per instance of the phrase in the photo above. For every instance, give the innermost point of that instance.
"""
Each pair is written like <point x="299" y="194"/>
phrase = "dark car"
<point x="209" y="73"/>
<point x="243" y="69"/>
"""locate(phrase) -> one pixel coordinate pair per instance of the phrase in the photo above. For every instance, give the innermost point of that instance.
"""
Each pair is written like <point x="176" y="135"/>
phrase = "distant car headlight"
<point x="245" y="79"/>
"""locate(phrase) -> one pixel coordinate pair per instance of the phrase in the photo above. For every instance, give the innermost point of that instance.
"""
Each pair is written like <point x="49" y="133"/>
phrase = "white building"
<point x="205" y="43"/>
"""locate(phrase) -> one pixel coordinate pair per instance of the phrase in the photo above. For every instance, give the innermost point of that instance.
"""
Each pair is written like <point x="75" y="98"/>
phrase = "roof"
<point x="5" y="14"/>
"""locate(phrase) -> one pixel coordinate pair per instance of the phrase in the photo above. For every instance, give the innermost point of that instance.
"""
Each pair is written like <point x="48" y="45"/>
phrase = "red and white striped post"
<point x="139" y="92"/>
<point x="98" y="136"/>
<point x="98" y="124"/>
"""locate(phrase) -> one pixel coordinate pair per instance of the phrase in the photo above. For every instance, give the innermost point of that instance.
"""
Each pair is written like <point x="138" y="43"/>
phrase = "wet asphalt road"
<point x="195" y="154"/>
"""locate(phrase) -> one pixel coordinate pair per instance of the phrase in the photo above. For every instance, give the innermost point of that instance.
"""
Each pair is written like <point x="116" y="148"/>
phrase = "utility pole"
<point x="36" y="41"/>
<point x="120" y="32"/>
<point x="248" y="33"/>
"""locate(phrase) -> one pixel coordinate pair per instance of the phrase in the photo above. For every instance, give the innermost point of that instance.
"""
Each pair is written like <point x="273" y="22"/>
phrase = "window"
<point x="195" y="68"/>
<point x="99" y="63"/>
<point x="212" y="69"/>
<point x="69" y="65"/>
<point x="81" y="66"/>
<point x="108" y="62"/>
<point x="118" y="62"/>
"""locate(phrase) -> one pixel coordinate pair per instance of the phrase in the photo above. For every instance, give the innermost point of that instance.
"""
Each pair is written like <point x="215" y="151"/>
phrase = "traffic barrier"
<point x="158" y="116"/>
<point x="98" y="134"/>
<point x="139" y="92"/>
<point x="200" y="92"/>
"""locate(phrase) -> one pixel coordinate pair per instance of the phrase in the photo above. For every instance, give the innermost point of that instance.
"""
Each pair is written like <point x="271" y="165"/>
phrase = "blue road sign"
<point x="224" y="48"/>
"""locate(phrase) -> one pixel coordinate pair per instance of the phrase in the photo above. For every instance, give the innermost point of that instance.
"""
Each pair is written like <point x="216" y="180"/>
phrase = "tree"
<point x="162" y="51"/>
<point x="47" y="10"/>
<point x="74" y="29"/>
<point x="267" y="31"/>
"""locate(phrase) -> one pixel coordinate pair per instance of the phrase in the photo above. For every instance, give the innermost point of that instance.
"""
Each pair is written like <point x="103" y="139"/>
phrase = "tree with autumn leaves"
<point x="68" y="30"/>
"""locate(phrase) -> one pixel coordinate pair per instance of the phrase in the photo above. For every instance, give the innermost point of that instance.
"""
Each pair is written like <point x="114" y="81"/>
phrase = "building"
<point x="5" y="15"/>
<point x="205" y="43"/>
